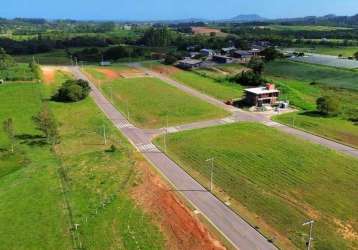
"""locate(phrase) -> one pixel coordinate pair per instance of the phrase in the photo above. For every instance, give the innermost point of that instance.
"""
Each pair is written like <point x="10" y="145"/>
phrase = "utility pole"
<point x="309" y="245"/>
<point x="104" y="134"/>
<point x="212" y="172"/>
<point x="165" y="134"/>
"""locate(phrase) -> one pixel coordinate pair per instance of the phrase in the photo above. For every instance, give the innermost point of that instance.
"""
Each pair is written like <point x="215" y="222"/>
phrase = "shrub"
<point x="72" y="91"/>
<point x="327" y="105"/>
<point x="170" y="59"/>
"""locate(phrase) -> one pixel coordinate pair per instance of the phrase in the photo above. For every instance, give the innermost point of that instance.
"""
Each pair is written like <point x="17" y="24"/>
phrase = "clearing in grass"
<point x="276" y="181"/>
<point x="151" y="102"/>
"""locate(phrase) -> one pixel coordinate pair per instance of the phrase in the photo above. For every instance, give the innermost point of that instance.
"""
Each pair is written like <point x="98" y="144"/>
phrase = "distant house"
<point x="105" y="63"/>
<point x="228" y="51"/>
<point x="207" y="52"/>
<point x="194" y="54"/>
<point x="262" y="95"/>
<point x="244" y="55"/>
<point x="222" y="59"/>
<point x="188" y="63"/>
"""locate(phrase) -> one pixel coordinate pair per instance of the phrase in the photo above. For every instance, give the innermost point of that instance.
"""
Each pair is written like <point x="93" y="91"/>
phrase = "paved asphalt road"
<point x="234" y="228"/>
<point x="239" y="115"/>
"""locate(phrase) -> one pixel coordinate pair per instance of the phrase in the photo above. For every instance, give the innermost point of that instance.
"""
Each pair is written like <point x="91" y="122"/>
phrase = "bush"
<point x="72" y="91"/>
<point x="327" y="105"/>
<point x="170" y="59"/>
<point x="249" y="78"/>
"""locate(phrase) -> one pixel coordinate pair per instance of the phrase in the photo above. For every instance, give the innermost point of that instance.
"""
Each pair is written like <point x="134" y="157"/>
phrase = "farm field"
<point x="327" y="60"/>
<point x="275" y="181"/>
<point x="57" y="57"/>
<point x="325" y="75"/>
<point x="304" y="28"/>
<point x="113" y="72"/>
<point x="221" y="90"/>
<point x="333" y="51"/>
<point x="151" y="103"/>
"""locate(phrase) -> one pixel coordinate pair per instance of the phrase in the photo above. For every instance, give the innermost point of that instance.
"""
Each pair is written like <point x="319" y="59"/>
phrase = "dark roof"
<point x="243" y="52"/>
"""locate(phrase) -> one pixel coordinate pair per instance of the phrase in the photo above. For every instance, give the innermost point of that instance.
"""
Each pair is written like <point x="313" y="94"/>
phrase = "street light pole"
<point x="310" y="235"/>
<point x="212" y="172"/>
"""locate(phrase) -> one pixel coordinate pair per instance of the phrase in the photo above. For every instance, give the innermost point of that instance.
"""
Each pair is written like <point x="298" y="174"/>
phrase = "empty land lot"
<point x="283" y="181"/>
<point x="222" y="90"/>
<point x="151" y="102"/>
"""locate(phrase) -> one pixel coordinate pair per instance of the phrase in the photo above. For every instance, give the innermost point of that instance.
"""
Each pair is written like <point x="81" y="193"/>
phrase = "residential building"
<point x="222" y="59"/>
<point x="207" y="52"/>
<point x="265" y="95"/>
<point x="188" y="63"/>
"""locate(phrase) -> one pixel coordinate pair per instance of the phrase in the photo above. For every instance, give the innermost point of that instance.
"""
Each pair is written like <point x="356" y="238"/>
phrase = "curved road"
<point x="233" y="227"/>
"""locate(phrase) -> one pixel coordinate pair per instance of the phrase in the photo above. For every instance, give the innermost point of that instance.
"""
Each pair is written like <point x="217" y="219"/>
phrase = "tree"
<point x="249" y="78"/>
<point x="6" y="61"/>
<point x="327" y="105"/>
<point x="45" y="122"/>
<point x="170" y="59"/>
<point x="9" y="130"/>
<point x="72" y="91"/>
<point x="270" y="54"/>
<point x="257" y="65"/>
<point x="356" y="55"/>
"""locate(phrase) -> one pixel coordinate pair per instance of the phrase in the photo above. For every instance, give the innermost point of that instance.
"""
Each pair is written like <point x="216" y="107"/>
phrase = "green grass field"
<point x="308" y="72"/>
<point x="45" y="192"/>
<point x="281" y="180"/>
<point x="150" y="102"/>
<point x="221" y="90"/>
<point x="334" y="128"/>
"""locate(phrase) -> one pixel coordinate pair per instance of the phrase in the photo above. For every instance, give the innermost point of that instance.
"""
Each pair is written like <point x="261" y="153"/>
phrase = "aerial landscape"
<point x="184" y="125"/>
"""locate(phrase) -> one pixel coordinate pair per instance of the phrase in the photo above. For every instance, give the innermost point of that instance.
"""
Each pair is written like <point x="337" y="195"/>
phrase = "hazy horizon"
<point x="152" y="10"/>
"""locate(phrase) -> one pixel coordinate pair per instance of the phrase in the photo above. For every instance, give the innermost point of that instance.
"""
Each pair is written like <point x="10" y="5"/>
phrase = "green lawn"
<point x="283" y="181"/>
<point x="335" y="128"/>
<point x="329" y="76"/>
<point x="35" y="211"/>
<point x="150" y="101"/>
<point x="221" y="90"/>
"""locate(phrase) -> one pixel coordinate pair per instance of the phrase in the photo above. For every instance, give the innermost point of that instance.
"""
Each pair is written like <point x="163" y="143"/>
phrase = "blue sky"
<point x="172" y="9"/>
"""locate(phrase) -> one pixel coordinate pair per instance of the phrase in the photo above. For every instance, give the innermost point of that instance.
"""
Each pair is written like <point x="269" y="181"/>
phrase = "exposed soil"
<point x="109" y="73"/>
<point x="49" y="73"/>
<point x="206" y="31"/>
<point x="131" y="72"/>
<point x="182" y="228"/>
<point x="168" y="70"/>
<point x="346" y="230"/>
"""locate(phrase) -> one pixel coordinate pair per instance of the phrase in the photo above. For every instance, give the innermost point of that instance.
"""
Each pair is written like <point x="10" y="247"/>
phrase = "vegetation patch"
<point x="281" y="179"/>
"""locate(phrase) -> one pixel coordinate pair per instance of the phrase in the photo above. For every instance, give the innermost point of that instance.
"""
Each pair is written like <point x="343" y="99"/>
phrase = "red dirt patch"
<point x="109" y="73"/>
<point x="167" y="70"/>
<point x="48" y="75"/>
<point x="131" y="72"/>
<point x="206" y="31"/>
<point x="182" y="229"/>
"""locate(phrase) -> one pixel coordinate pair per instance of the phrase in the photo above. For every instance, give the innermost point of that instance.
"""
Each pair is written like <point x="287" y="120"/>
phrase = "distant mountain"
<point x="248" y="18"/>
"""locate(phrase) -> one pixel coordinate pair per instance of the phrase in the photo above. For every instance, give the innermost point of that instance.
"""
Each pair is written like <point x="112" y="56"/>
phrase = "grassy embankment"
<point x="45" y="191"/>
<point x="345" y="51"/>
<point x="295" y="82"/>
<point x="276" y="181"/>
